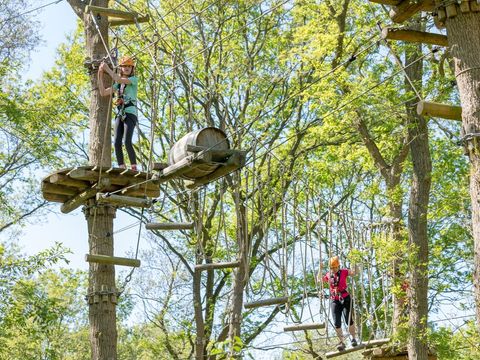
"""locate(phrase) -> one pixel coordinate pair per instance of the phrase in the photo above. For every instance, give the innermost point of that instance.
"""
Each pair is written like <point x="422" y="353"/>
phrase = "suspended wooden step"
<point x="213" y="266"/>
<point x="123" y="200"/>
<point x="407" y="8"/>
<point x="112" y="260"/>
<point x="117" y="17"/>
<point x="414" y="36"/>
<point x="267" y="302"/>
<point x="366" y="345"/>
<point x="170" y="226"/>
<point x="443" y="111"/>
<point x="300" y="327"/>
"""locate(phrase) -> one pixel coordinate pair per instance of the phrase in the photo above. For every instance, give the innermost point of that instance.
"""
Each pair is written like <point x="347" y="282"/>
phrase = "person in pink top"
<point x="341" y="299"/>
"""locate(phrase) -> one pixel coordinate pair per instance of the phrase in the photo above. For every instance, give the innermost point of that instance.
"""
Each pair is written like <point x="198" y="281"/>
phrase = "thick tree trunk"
<point x="417" y="215"/>
<point x="464" y="42"/>
<point x="102" y="290"/>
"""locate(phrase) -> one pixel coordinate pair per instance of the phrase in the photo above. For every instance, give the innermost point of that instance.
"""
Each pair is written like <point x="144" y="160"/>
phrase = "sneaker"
<point x="341" y="346"/>
<point x="354" y="342"/>
<point x="122" y="166"/>
<point x="134" y="167"/>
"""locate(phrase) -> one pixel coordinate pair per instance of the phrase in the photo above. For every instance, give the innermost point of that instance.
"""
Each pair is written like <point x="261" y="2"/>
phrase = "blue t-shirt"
<point x="129" y="94"/>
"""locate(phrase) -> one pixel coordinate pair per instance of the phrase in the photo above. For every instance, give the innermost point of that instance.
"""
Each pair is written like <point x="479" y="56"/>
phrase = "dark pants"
<point x="124" y="129"/>
<point x="339" y="308"/>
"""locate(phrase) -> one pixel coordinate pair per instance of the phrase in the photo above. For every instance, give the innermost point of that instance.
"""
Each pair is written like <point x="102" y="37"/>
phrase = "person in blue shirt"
<point x="125" y="87"/>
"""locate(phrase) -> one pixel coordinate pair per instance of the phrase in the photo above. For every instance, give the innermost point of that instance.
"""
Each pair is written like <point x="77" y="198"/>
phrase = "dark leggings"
<point x="125" y="129"/>
<point x="338" y="309"/>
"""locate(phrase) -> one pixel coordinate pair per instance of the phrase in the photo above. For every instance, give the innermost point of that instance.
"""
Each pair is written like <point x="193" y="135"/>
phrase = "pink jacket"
<point x="338" y="283"/>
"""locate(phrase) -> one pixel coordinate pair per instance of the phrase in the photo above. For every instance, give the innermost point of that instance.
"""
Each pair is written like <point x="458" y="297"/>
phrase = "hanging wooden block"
<point x="123" y="200"/>
<point x="414" y="36"/>
<point x="111" y="260"/>
<point x="213" y="266"/>
<point x="451" y="10"/>
<point x="407" y="8"/>
<point x="443" y="111"/>
<point x="465" y="6"/>
<point x="267" y="302"/>
<point x="300" y="327"/>
<point x="474" y="6"/>
<point x="170" y="226"/>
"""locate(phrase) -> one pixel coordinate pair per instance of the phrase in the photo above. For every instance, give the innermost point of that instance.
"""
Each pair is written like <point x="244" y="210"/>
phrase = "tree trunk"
<point x="417" y="214"/>
<point x="464" y="42"/>
<point x="234" y="330"/>
<point x="102" y="290"/>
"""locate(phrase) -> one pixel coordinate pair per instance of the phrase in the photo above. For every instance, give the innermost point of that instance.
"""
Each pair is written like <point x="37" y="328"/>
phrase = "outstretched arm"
<point x="117" y="78"/>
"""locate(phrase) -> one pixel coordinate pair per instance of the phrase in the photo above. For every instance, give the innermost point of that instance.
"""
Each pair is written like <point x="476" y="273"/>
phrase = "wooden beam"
<point x="55" y="197"/>
<point x="267" y="302"/>
<point x="112" y="260"/>
<point x="443" y="111"/>
<point x="300" y="327"/>
<point x="387" y="2"/>
<point x="79" y="199"/>
<point x="414" y="36"/>
<point x="141" y="19"/>
<point x="58" y="189"/>
<point x="407" y="8"/>
<point x="112" y="12"/>
<point x="366" y="345"/>
<point x="123" y="200"/>
<point x="169" y="226"/>
<point x="61" y="179"/>
<point x="213" y="266"/>
<point x="183" y="166"/>
<point x="115" y="178"/>
<point x="234" y="162"/>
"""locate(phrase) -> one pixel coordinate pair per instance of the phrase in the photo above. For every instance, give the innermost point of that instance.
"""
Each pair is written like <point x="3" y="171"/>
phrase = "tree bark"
<point x="102" y="307"/>
<point x="464" y="42"/>
<point x="417" y="213"/>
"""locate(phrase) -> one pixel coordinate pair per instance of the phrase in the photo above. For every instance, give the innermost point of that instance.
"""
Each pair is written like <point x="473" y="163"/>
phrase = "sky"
<point x="57" y="22"/>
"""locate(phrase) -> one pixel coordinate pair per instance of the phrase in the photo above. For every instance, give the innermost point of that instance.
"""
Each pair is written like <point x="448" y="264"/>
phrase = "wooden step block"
<point x="120" y="200"/>
<point x="213" y="266"/>
<point x="267" y="302"/>
<point x="112" y="260"/>
<point x="300" y="327"/>
<point x="170" y="226"/>
<point x="414" y="36"/>
<point x="443" y="111"/>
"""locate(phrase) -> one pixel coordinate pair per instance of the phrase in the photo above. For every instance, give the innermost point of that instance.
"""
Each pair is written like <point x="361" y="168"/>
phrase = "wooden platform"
<point x="391" y="353"/>
<point x="365" y="345"/>
<point x="73" y="186"/>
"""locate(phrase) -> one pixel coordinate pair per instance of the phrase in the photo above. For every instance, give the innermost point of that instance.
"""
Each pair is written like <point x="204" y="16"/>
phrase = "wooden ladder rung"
<point x="439" y="110"/>
<point x="170" y="226"/>
<point x="267" y="302"/>
<point x="212" y="266"/>
<point x="123" y="200"/>
<point x="300" y="327"/>
<point x="112" y="260"/>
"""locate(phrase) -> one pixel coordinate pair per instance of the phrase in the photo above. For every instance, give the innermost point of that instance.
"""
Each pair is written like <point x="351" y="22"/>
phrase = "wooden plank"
<point x="407" y="8"/>
<point x="62" y="179"/>
<point x="112" y="12"/>
<point x="115" y="178"/>
<point x="387" y="2"/>
<point x="267" y="302"/>
<point x="112" y="260"/>
<point x="141" y="19"/>
<point x="234" y="162"/>
<point x="58" y="189"/>
<point x="366" y="345"/>
<point x="79" y="199"/>
<point x="123" y="200"/>
<point x="414" y="36"/>
<point x="443" y="111"/>
<point x="170" y="226"/>
<point x="213" y="266"/>
<point x="55" y="197"/>
<point x="183" y="166"/>
<point x="300" y="327"/>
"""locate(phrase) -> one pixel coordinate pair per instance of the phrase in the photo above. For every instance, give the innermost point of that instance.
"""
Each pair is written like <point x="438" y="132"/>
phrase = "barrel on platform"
<point x="209" y="138"/>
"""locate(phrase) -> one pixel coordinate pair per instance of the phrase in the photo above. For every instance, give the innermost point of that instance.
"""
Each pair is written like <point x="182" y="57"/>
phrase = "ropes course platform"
<point x="391" y="353"/>
<point x="74" y="186"/>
